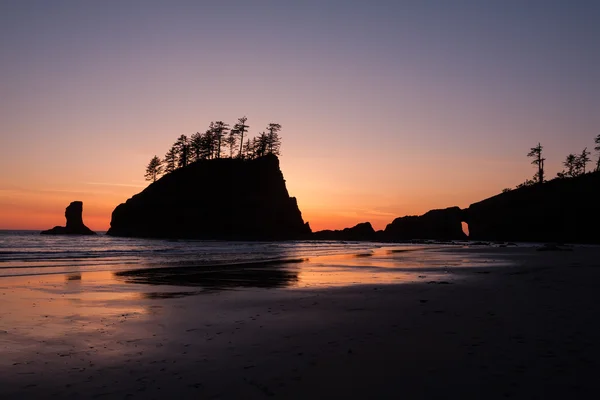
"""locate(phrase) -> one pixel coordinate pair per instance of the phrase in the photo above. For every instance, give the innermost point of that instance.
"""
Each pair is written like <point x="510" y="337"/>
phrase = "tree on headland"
<point x="597" y="148"/>
<point x="260" y="144"/>
<point x="209" y="144"/>
<point x="196" y="146"/>
<point x="571" y="166"/>
<point x="231" y="142"/>
<point x="219" y="129"/>
<point x="536" y="154"/>
<point x="212" y="143"/>
<point x="582" y="161"/>
<point x="273" y="141"/>
<point x="248" y="151"/>
<point x="170" y="161"/>
<point x="240" y="128"/>
<point x="182" y="148"/>
<point x="154" y="169"/>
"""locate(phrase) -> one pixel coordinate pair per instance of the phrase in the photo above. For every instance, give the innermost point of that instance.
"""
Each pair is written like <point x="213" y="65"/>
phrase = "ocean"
<point x="29" y="253"/>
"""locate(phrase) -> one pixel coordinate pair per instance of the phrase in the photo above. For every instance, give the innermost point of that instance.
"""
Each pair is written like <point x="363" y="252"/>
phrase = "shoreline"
<point x="522" y="325"/>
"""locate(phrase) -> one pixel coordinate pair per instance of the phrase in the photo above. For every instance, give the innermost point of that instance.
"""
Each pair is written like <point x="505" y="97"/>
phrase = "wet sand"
<point x="443" y="323"/>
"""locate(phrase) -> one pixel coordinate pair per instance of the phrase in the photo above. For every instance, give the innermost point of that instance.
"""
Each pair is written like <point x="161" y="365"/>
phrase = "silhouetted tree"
<point x="582" y="161"/>
<point x="219" y="129"/>
<point x="240" y="128"/>
<point x="536" y="154"/>
<point x="597" y="148"/>
<point x="154" y="169"/>
<point x="196" y="147"/>
<point x="203" y="145"/>
<point x="231" y="142"/>
<point x="260" y="144"/>
<point x="248" y="150"/>
<point x="273" y="141"/>
<point x="209" y="144"/>
<point x="571" y="166"/>
<point x="170" y="161"/>
<point x="182" y="148"/>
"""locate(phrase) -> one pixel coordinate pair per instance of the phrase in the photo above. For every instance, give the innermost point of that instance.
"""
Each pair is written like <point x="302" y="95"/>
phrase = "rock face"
<point x="227" y="199"/>
<point x="561" y="210"/>
<point x="75" y="225"/>
<point x="362" y="231"/>
<point x="435" y="224"/>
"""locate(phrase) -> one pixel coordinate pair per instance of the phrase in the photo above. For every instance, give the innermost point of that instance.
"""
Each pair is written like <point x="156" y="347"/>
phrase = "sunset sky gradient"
<point x="388" y="108"/>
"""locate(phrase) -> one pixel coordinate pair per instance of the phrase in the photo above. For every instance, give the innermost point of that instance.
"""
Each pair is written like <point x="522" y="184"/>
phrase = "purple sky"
<point x="388" y="107"/>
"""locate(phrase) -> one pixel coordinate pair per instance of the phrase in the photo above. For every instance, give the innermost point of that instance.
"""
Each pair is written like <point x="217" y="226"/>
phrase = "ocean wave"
<point x="28" y="253"/>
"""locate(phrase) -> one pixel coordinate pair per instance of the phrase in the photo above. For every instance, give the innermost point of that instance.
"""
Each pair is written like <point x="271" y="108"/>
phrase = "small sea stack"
<point x="75" y="225"/>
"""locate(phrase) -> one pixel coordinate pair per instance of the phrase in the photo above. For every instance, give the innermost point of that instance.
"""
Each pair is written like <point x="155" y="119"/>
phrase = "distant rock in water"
<point x="435" y="224"/>
<point x="229" y="199"/>
<point x="561" y="210"/>
<point x="75" y="225"/>
<point x="362" y="231"/>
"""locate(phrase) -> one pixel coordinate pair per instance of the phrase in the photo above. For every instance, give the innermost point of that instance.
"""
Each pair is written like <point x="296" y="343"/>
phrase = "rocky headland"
<point x="74" y="225"/>
<point x="560" y="210"/>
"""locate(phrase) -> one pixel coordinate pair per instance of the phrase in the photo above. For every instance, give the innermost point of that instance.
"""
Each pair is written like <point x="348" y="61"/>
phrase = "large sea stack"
<point x="75" y="225"/>
<point x="229" y="199"/>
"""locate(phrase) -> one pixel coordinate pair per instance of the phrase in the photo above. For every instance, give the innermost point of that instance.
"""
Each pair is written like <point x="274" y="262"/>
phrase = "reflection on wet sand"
<point x="274" y="274"/>
<point x="55" y="311"/>
<point x="382" y="266"/>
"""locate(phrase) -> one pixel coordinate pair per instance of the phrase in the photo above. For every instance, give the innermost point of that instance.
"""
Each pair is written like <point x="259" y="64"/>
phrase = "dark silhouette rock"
<point x="561" y="210"/>
<point x="434" y="225"/>
<point x="362" y="231"/>
<point x="229" y="199"/>
<point x="75" y="225"/>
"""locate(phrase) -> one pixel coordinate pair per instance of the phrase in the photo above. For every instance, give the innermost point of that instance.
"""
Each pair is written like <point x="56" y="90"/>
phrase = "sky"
<point x="388" y="108"/>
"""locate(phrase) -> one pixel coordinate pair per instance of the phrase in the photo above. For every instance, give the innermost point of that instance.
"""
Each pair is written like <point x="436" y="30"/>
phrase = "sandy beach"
<point x="450" y="322"/>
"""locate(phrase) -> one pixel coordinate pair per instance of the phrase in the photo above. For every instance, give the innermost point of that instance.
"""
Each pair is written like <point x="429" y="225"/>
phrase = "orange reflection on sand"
<point x="46" y="310"/>
<point x="328" y="276"/>
<point x="381" y="266"/>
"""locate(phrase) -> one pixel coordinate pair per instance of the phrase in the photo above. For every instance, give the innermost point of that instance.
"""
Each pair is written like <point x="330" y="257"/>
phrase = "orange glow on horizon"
<point x="331" y="194"/>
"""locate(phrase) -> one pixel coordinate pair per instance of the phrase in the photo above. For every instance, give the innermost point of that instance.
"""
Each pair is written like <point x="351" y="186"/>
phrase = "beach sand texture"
<point x="452" y="322"/>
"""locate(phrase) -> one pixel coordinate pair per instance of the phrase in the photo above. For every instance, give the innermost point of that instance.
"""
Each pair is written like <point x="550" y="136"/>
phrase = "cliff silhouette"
<point x="225" y="198"/>
<point x="560" y="210"/>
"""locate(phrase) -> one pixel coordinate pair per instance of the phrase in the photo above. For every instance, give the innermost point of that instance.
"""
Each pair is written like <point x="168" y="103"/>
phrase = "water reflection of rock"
<point x="269" y="274"/>
<point x="74" y="277"/>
